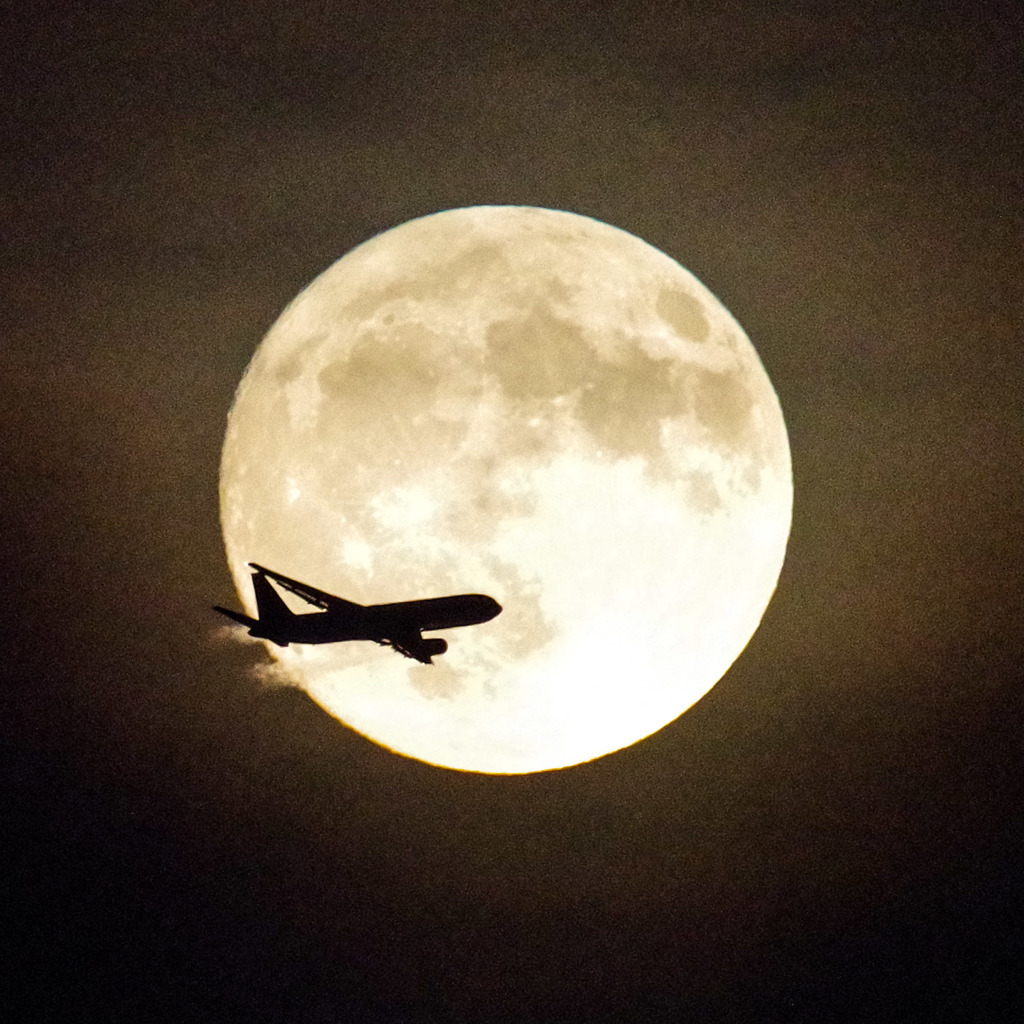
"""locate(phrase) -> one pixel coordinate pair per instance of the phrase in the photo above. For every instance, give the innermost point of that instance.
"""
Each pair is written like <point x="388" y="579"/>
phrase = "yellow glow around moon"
<point x="533" y="405"/>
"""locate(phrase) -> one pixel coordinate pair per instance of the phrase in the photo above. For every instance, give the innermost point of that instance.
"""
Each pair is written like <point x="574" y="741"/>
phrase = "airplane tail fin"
<point x="271" y="606"/>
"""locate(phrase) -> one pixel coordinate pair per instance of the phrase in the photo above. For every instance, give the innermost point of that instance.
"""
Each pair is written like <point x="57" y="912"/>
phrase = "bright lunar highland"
<point x="533" y="405"/>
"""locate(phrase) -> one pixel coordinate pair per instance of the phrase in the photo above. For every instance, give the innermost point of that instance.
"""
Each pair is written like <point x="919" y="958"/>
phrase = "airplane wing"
<point x="319" y="598"/>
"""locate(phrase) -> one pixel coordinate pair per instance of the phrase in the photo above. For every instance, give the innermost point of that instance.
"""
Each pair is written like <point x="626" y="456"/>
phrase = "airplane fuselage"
<point x="380" y="621"/>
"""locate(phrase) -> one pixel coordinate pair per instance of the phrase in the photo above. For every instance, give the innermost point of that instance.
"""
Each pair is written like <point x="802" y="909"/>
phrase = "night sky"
<point x="832" y="834"/>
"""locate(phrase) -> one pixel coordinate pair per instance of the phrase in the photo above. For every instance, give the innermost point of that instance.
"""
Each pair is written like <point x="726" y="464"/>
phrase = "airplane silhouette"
<point x="399" y="625"/>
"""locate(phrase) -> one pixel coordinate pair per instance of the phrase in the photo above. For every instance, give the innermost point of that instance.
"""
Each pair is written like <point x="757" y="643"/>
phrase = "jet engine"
<point x="435" y="645"/>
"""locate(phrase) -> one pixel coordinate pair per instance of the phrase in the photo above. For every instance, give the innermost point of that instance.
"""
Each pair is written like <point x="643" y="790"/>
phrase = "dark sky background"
<point x="833" y="834"/>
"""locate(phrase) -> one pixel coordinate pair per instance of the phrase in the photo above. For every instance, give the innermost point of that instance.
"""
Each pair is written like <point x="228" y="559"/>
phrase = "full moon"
<point x="534" y="405"/>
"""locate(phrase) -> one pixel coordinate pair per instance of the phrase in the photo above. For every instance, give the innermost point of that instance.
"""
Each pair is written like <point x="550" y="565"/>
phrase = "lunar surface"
<point x="533" y="405"/>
